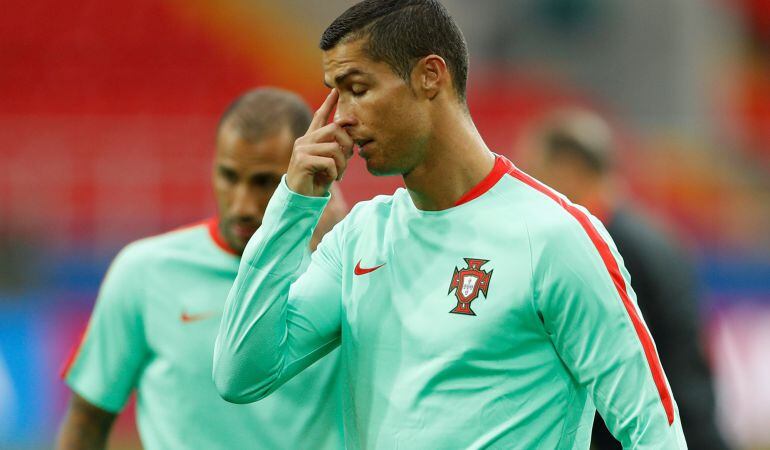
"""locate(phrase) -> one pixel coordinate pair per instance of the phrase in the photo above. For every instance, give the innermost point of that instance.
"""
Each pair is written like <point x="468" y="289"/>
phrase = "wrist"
<point x="300" y="198"/>
<point x="304" y="187"/>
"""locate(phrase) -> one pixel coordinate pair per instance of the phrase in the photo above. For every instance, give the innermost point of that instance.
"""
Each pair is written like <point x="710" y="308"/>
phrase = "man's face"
<point x="245" y="176"/>
<point x="386" y="119"/>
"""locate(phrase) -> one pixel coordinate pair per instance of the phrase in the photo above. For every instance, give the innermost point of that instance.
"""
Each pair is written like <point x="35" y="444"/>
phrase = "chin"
<point x="240" y="248"/>
<point x="376" y="172"/>
<point x="235" y="244"/>
<point x="379" y="169"/>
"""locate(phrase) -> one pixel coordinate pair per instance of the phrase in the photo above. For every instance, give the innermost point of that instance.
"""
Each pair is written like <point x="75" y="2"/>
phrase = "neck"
<point x="455" y="161"/>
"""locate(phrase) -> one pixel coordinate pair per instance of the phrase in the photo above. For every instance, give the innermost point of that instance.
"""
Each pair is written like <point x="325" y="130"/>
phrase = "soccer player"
<point x="156" y="317"/>
<point x="573" y="151"/>
<point x="477" y="308"/>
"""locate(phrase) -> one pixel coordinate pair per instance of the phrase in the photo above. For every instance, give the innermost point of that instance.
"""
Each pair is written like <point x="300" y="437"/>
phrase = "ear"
<point x="430" y="76"/>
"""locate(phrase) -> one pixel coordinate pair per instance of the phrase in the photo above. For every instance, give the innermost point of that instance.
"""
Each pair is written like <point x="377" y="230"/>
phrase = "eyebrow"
<point x="341" y="77"/>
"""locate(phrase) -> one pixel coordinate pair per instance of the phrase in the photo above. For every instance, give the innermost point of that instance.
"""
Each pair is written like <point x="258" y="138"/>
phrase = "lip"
<point x="363" y="145"/>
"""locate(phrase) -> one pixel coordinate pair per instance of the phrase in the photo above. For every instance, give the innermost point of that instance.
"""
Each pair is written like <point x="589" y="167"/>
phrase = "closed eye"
<point x="358" y="90"/>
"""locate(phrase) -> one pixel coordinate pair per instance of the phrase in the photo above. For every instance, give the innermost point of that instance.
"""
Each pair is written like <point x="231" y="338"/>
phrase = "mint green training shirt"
<point x="503" y="322"/>
<point x="153" y="330"/>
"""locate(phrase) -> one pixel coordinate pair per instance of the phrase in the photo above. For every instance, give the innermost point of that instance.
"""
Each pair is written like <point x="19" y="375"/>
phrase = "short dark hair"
<point x="400" y="32"/>
<point x="260" y="112"/>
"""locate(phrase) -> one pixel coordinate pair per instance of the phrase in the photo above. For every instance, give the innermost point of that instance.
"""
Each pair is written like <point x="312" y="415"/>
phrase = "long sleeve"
<point x="589" y="311"/>
<point x="276" y="321"/>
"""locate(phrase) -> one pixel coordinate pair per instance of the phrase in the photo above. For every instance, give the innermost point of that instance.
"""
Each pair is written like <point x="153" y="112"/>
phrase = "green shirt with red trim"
<point x="503" y="322"/>
<point x="153" y="329"/>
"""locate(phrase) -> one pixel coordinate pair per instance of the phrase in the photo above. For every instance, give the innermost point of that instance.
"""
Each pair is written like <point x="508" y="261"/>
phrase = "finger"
<point x="328" y="150"/>
<point x="334" y="133"/>
<point x="323" y="168"/>
<point x="345" y="142"/>
<point x="321" y="116"/>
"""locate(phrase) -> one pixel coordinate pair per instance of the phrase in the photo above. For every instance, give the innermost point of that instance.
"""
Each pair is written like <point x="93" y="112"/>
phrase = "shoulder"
<point x="550" y="217"/>
<point x="377" y="208"/>
<point x="149" y="250"/>
<point x="564" y="238"/>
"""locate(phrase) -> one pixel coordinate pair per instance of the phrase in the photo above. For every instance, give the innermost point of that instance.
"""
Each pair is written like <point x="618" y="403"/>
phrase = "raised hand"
<point x="320" y="156"/>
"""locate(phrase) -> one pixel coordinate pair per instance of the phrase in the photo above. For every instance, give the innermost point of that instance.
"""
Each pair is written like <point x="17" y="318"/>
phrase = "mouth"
<point x="244" y="231"/>
<point x="362" y="143"/>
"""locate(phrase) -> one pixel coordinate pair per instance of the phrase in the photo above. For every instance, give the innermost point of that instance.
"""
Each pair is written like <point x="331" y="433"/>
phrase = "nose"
<point x="245" y="203"/>
<point x="344" y="115"/>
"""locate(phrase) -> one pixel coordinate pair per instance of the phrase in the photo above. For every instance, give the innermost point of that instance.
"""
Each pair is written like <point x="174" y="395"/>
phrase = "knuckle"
<point x="317" y="135"/>
<point x="300" y="142"/>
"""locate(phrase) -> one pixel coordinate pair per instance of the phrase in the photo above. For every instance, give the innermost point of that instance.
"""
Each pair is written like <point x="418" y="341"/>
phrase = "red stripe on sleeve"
<point x="617" y="278"/>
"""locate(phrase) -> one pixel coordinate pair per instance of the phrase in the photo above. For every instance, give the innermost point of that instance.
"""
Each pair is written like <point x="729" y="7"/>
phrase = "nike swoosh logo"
<point x="187" y="318"/>
<point x="363" y="271"/>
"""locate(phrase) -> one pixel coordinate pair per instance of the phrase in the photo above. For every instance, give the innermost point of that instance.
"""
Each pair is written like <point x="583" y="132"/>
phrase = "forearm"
<point x="85" y="427"/>
<point x="250" y="352"/>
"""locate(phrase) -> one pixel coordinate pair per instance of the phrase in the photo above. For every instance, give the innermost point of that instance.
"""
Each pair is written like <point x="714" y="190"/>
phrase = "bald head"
<point x="579" y="135"/>
<point x="266" y="111"/>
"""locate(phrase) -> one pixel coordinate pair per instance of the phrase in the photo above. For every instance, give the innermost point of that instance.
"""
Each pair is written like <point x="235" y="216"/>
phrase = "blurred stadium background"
<point x="108" y="111"/>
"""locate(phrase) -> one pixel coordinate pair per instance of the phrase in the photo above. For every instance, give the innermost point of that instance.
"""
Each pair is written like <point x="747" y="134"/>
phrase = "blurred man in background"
<point x="158" y="310"/>
<point x="573" y="152"/>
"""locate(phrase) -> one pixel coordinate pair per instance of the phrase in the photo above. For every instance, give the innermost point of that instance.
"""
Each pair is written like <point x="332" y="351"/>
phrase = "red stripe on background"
<point x="617" y="278"/>
<point x="74" y="353"/>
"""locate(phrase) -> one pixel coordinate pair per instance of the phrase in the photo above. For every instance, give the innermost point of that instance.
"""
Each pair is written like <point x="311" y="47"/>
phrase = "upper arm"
<point x="85" y="426"/>
<point x="590" y="313"/>
<point x="114" y="347"/>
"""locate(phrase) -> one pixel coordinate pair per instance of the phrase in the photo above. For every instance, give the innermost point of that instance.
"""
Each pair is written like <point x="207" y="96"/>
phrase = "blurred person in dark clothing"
<point x="573" y="152"/>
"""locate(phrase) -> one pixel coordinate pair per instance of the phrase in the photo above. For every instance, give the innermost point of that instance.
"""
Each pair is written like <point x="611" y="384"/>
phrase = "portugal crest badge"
<point x="467" y="283"/>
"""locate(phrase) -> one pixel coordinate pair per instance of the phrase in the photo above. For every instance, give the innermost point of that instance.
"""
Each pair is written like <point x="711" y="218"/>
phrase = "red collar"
<point x="216" y="236"/>
<point x="501" y="167"/>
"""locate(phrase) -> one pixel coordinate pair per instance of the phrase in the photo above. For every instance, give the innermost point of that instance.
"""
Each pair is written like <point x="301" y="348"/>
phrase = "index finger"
<point x="321" y="116"/>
